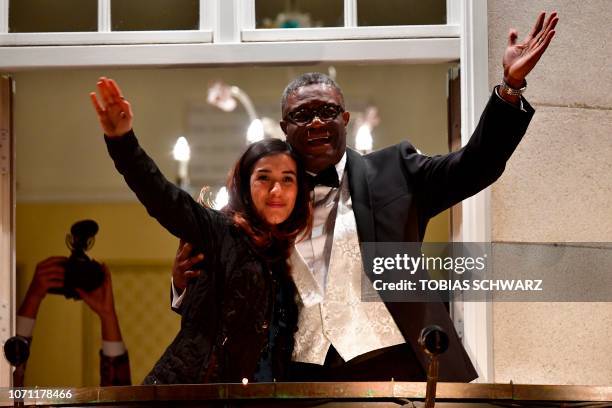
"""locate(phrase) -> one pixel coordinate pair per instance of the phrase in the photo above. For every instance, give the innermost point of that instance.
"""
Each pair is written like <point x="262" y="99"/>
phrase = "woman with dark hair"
<point x="238" y="319"/>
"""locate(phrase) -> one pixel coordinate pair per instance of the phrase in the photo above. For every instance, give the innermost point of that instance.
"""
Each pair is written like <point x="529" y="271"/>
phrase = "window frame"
<point x="104" y="35"/>
<point x="351" y="30"/>
<point x="7" y="223"/>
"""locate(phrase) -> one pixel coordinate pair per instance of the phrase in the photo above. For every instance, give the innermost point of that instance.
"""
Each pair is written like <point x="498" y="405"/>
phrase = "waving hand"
<point x="114" y="112"/>
<point x="520" y="57"/>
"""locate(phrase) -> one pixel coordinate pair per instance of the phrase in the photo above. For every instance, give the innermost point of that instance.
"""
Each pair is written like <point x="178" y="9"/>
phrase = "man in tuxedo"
<point x="386" y="196"/>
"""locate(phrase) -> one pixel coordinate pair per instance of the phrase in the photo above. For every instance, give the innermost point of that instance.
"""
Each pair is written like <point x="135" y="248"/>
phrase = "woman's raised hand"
<point x="114" y="112"/>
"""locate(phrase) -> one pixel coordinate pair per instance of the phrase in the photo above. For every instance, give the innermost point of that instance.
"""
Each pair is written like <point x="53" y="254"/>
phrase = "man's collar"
<point x="339" y="167"/>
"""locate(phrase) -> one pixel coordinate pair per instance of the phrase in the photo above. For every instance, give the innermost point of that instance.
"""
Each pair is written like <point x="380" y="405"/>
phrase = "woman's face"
<point x="274" y="187"/>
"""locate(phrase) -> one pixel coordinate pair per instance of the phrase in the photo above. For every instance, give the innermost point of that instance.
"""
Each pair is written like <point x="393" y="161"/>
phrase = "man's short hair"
<point x="310" y="78"/>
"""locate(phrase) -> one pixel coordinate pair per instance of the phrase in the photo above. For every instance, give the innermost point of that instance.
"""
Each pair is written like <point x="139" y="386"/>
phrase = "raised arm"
<point x="49" y="274"/>
<point x="114" y="360"/>
<point x="174" y="208"/>
<point x="448" y="179"/>
<point x="101" y="302"/>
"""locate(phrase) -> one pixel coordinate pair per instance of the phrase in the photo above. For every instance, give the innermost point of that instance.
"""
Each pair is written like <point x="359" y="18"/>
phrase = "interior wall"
<point x="64" y="175"/>
<point x="54" y="119"/>
<point x="557" y="188"/>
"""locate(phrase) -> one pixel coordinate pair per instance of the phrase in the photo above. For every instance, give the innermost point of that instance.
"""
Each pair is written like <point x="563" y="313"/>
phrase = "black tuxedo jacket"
<point x="395" y="191"/>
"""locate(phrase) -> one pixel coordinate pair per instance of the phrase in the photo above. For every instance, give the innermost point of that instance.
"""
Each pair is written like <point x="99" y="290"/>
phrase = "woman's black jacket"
<point x="227" y="309"/>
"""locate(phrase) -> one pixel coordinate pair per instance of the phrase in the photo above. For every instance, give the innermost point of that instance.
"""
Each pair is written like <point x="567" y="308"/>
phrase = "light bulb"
<point x="363" y="139"/>
<point x="255" y="131"/>
<point x="181" y="151"/>
<point x="221" y="199"/>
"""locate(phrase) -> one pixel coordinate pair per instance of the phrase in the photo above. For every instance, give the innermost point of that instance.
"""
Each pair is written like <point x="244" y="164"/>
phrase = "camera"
<point x="80" y="271"/>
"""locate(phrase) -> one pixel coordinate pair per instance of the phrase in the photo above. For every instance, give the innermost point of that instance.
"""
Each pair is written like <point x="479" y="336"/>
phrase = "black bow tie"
<point x="328" y="177"/>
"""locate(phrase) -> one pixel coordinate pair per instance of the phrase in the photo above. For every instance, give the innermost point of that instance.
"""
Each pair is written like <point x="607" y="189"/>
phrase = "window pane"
<point x="299" y="13"/>
<point x="400" y="12"/>
<point x="140" y="15"/>
<point x="30" y="16"/>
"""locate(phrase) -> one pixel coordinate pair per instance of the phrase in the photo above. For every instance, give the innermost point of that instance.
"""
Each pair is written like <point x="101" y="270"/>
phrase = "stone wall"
<point x="557" y="188"/>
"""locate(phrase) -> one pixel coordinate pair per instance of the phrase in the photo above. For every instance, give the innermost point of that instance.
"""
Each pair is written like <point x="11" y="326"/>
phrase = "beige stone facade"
<point x="557" y="188"/>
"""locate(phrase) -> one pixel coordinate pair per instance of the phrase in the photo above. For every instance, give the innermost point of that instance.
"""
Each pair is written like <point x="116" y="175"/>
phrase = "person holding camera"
<point x="49" y="276"/>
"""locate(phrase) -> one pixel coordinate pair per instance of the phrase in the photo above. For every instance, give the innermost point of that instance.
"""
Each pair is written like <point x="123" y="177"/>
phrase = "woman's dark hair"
<point x="273" y="241"/>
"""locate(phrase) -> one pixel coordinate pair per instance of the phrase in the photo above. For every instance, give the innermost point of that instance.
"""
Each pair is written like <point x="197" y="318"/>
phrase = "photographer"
<point x="49" y="275"/>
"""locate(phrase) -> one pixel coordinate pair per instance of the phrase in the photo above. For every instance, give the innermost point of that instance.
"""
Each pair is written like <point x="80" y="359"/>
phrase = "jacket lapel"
<point x="360" y="196"/>
<point x="364" y="217"/>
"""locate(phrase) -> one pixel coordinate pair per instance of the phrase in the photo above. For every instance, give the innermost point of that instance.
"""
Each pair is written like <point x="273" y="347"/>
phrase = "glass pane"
<point x="400" y="12"/>
<point x="31" y="16"/>
<point x="144" y="15"/>
<point x="299" y="13"/>
<point x="53" y="192"/>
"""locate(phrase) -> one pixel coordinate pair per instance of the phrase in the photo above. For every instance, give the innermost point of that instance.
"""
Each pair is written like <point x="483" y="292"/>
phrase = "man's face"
<point x="312" y="128"/>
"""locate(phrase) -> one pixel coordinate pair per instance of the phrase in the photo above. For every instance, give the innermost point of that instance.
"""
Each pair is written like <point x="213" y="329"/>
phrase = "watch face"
<point x="17" y="350"/>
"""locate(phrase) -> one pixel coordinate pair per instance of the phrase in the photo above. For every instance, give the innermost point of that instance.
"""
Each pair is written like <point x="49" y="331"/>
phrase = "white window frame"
<point x="476" y="210"/>
<point x="350" y="30"/>
<point x="228" y="22"/>
<point x="7" y="241"/>
<point x="104" y="35"/>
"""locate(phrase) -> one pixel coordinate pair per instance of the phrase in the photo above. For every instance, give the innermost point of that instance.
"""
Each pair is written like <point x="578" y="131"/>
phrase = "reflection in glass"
<point x="51" y="274"/>
<point x="401" y="12"/>
<point x="144" y="15"/>
<point x="30" y="16"/>
<point x="299" y="13"/>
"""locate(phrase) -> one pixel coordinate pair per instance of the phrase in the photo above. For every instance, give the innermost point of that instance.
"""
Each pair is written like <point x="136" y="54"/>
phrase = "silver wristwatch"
<point x="508" y="90"/>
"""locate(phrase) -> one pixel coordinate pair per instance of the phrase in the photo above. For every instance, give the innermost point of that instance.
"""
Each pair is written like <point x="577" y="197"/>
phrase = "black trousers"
<point x="397" y="362"/>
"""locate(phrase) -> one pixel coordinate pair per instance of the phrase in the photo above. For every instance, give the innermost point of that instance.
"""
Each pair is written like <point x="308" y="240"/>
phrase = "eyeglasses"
<point x="325" y="113"/>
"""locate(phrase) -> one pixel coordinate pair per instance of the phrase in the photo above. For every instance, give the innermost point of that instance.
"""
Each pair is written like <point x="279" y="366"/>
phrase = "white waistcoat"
<point x="337" y="315"/>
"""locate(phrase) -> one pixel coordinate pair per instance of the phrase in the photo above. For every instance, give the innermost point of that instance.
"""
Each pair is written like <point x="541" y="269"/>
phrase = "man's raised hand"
<point x="114" y="112"/>
<point x="520" y="57"/>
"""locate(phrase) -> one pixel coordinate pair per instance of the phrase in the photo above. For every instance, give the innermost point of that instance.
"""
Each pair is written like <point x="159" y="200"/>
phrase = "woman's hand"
<point x="114" y="113"/>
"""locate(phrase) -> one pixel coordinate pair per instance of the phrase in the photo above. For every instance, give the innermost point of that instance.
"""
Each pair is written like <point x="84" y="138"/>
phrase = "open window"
<point x="230" y="34"/>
